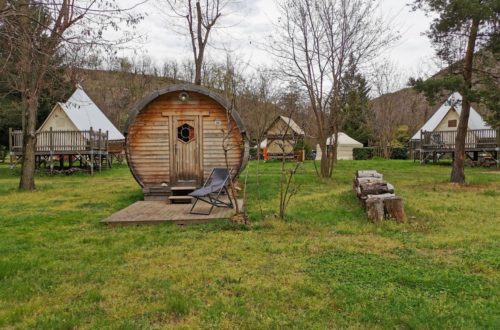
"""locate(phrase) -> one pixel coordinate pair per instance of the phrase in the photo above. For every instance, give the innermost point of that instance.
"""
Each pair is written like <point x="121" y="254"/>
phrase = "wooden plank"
<point x="154" y="212"/>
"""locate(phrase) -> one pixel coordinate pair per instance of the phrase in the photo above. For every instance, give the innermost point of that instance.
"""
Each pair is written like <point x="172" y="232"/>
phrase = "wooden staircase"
<point x="180" y="194"/>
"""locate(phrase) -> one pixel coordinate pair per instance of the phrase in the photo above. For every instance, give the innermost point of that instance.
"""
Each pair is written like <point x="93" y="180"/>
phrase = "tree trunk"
<point x="27" y="181"/>
<point x="324" y="164"/>
<point x="197" y="72"/>
<point x="198" y="60"/>
<point x="457" y="172"/>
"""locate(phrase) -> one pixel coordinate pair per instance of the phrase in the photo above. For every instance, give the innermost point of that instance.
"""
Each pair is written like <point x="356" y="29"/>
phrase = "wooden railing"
<point x="475" y="139"/>
<point x="53" y="141"/>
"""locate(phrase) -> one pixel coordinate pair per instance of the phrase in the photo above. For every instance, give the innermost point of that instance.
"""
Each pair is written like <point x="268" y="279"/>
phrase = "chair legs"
<point x="213" y="202"/>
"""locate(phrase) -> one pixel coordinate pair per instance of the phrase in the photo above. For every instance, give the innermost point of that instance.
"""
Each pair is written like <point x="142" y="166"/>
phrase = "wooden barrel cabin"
<point x="177" y="135"/>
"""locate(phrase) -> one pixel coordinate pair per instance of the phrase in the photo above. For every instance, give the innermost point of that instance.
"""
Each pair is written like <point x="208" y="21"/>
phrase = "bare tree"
<point x="41" y="34"/>
<point x="200" y="19"/>
<point x="388" y="112"/>
<point x="288" y="188"/>
<point x="314" y="43"/>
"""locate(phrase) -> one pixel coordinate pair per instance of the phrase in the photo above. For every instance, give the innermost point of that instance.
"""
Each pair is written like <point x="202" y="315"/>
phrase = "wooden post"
<point x="108" y="156"/>
<point x="100" y="150"/>
<point x="91" y="139"/>
<point x="421" y="147"/>
<point x="51" y="150"/>
<point x="497" y="149"/>
<point x="10" y="145"/>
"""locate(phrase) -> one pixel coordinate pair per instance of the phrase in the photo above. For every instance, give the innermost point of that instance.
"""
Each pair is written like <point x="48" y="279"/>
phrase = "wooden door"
<point x="187" y="149"/>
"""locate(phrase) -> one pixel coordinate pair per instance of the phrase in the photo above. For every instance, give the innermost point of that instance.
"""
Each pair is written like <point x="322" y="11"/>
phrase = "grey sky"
<point x="247" y="25"/>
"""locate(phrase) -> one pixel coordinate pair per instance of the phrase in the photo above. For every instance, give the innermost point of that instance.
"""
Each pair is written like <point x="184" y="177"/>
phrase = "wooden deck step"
<point x="181" y="199"/>
<point x="191" y="188"/>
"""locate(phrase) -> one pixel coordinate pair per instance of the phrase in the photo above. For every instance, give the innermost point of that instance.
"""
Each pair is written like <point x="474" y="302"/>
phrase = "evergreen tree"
<point x="460" y="30"/>
<point x="355" y="106"/>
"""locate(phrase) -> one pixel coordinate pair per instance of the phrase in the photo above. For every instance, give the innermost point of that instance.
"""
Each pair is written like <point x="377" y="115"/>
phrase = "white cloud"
<point x="249" y="21"/>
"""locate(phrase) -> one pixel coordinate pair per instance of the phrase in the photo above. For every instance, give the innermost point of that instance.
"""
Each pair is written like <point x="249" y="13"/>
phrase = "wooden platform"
<point x="153" y="212"/>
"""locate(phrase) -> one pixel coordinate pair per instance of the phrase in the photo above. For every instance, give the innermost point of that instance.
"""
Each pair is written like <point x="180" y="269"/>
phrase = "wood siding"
<point x="152" y="140"/>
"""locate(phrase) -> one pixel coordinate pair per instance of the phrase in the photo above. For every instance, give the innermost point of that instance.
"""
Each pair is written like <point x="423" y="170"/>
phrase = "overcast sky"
<point x="247" y="25"/>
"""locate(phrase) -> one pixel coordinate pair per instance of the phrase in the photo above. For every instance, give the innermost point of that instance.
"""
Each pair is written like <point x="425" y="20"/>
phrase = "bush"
<point x="369" y="153"/>
<point x="3" y="153"/>
<point x="252" y="152"/>
<point x="399" y="153"/>
<point x="362" y="153"/>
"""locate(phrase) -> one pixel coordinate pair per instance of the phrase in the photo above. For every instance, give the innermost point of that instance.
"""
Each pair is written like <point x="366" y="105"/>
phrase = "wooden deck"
<point x="154" y="212"/>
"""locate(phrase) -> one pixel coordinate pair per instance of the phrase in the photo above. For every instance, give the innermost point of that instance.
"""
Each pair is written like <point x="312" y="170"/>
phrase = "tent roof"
<point x="289" y="121"/>
<point x="84" y="113"/>
<point x="344" y="139"/>
<point x="455" y="102"/>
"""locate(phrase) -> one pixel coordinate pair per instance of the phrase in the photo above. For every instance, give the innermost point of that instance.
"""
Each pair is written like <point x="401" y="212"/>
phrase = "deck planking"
<point x="154" y="212"/>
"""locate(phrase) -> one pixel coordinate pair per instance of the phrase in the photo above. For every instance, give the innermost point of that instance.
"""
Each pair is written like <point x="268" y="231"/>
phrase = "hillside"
<point x="116" y="92"/>
<point x="410" y="108"/>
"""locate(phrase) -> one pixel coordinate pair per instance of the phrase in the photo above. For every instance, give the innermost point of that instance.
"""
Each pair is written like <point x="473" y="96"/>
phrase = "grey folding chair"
<point x="211" y="191"/>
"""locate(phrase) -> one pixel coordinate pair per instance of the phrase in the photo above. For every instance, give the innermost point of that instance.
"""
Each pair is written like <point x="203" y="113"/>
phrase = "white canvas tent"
<point x="450" y="112"/>
<point x="344" y="148"/>
<point x="80" y="113"/>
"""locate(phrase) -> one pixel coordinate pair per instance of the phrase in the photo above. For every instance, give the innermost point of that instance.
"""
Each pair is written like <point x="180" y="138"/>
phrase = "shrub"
<point x="399" y="153"/>
<point x="370" y="152"/>
<point x="253" y="153"/>
<point x="362" y="153"/>
<point x="3" y="153"/>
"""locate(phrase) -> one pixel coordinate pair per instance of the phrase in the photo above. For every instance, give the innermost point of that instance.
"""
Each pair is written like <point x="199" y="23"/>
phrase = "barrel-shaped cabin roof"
<point x="142" y="104"/>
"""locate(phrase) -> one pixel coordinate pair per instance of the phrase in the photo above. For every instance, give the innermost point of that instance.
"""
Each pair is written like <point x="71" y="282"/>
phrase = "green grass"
<point x="324" y="266"/>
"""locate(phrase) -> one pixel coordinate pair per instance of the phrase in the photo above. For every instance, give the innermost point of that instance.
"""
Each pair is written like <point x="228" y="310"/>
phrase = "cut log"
<point x="358" y="192"/>
<point x="375" y="209"/>
<point x="394" y="208"/>
<point x="375" y="188"/>
<point x="359" y="181"/>
<point x="368" y="174"/>
<point x="381" y="196"/>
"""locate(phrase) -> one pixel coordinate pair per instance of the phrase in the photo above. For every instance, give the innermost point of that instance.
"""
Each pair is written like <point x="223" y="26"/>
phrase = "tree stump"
<point x="375" y="209"/>
<point x="394" y="208"/>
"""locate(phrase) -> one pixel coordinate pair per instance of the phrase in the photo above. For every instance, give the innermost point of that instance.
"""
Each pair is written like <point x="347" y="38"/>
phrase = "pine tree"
<point x="474" y="24"/>
<point x="355" y="106"/>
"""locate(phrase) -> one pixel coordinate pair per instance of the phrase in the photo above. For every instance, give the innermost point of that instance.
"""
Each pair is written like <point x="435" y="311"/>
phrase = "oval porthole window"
<point x="185" y="133"/>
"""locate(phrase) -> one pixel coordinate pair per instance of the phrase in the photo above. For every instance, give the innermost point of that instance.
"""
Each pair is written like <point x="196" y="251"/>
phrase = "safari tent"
<point x="445" y="119"/>
<point x="76" y="130"/>
<point x="80" y="113"/>
<point x="344" y="149"/>
<point x="175" y="139"/>
<point x="281" y="138"/>
<point x="437" y="136"/>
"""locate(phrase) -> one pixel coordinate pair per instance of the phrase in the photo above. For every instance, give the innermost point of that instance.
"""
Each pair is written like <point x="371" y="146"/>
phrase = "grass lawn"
<point x="324" y="267"/>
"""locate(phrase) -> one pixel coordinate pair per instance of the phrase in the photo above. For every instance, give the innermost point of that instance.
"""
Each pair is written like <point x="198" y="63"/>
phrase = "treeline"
<point x="117" y="83"/>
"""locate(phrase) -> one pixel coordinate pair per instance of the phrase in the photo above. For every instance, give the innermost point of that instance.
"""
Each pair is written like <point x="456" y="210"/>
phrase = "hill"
<point x="407" y="107"/>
